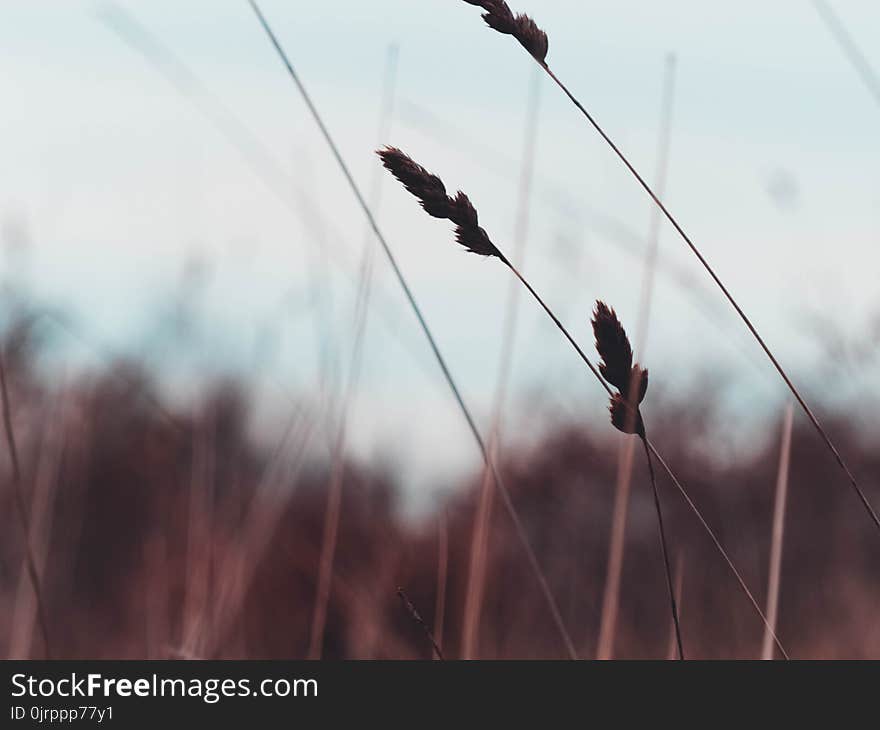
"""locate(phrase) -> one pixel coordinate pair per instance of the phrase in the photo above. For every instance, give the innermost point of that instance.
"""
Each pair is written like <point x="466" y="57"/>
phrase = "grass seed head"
<point x="631" y="380"/>
<point x="498" y="16"/>
<point x="428" y="188"/>
<point x="431" y="192"/>
<point x="613" y="347"/>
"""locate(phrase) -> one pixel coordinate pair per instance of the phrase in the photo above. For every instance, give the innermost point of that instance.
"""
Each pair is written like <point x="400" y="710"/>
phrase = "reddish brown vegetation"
<point x="118" y="582"/>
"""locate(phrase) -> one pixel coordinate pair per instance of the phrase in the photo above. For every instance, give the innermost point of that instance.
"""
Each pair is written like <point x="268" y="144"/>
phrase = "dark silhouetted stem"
<point x="558" y="324"/>
<point x="693" y="507"/>
<point x="718" y="546"/>
<point x="416" y="616"/>
<point x="589" y="364"/>
<point x="665" y="548"/>
<point x="505" y="495"/>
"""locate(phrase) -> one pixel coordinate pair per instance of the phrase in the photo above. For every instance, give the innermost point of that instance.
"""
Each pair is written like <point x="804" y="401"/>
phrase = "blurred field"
<point x="225" y="433"/>
<point x="170" y="534"/>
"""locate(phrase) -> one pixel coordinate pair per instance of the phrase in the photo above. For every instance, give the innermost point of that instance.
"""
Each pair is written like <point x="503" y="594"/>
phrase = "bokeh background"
<point x="180" y="263"/>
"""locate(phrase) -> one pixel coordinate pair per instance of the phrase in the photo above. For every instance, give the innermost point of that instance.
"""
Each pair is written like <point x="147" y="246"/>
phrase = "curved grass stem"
<point x="389" y="255"/>
<point x="668" y="569"/>
<point x="743" y="316"/>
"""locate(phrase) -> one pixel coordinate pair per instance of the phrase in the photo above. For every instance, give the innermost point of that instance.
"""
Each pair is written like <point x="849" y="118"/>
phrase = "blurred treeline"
<point x="160" y="534"/>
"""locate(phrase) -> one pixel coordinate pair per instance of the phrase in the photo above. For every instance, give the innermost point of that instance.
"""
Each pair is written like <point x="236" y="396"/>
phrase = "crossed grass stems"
<point x="498" y="16"/>
<point x="616" y="368"/>
<point x="519" y="528"/>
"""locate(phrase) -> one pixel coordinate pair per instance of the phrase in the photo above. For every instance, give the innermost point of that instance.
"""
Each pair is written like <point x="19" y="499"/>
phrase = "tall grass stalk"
<point x="431" y="192"/>
<point x="42" y="512"/>
<point x="198" y="603"/>
<point x="328" y="548"/>
<point x="672" y="649"/>
<point x="719" y="547"/>
<point x="360" y="318"/>
<point x="260" y="522"/>
<point x="617" y="541"/>
<point x="410" y="297"/>
<point x="611" y="229"/>
<point x="483" y="520"/>
<point x="631" y="381"/>
<point x="419" y="621"/>
<point x="337" y="469"/>
<point x="499" y="17"/>
<point x="665" y="550"/>
<point x="616" y="546"/>
<point x="21" y="511"/>
<point x="773" y="580"/>
<point x="478" y="559"/>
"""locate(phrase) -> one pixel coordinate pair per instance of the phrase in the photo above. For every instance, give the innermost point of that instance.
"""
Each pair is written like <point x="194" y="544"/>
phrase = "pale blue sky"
<point x="117" y="181"/>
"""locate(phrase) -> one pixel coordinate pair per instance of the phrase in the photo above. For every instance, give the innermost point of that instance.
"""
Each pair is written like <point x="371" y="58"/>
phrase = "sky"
<point x="192" y="179"/>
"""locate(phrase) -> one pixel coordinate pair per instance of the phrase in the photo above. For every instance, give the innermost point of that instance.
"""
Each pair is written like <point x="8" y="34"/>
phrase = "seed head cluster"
<point x="431" y="192"/>
<point x="631" y="380"/>
<point x="499" y="16"/>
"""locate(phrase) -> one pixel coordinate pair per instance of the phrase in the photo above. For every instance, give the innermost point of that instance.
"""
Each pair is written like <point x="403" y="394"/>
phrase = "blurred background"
<point x="227" y="449"/>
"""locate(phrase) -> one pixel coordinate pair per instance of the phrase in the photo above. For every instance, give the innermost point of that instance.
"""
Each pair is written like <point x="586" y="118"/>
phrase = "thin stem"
<point x="852" y="480"/>
<point x="773" y="578"/>
<point x="21" y="510"/>
<point x="719" y="547"/>
<point x="417" y="617"/>
<point x="361" y="312"/>
<point x="337" y="471"/>
<point x="505" y="495"/>
<point x="649" y="274"/>
<point x="668" y="569"/>
<point x="659" y="458"/>
<point x="609" y="228"/>
<point x="616" y="545"/>
<point x="328" y="551"/>
<point x="476" y="578"/>
<point x="260" y="159"/>
<point x="559" y="326"/>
